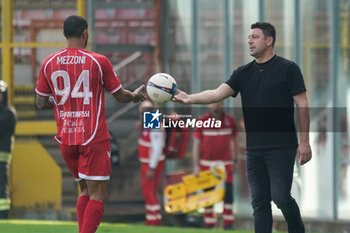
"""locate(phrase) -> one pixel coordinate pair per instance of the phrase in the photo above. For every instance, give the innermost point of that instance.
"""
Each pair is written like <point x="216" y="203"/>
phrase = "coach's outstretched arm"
<point x="204" y="97"/>
<point x="124" y="95"/>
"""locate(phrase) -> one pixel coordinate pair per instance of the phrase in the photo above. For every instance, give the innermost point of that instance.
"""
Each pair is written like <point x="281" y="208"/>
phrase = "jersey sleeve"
<point x="42" y="86"/>
<point x="235" y="81"/>
<point x="110" y="80"/>
<point x="295" y="80"/>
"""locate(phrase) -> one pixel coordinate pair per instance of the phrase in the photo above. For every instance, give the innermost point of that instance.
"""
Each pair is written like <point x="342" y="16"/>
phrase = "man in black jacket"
<point x="7" y="130"/>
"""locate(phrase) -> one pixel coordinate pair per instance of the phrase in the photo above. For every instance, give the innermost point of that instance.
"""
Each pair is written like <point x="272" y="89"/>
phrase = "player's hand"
<point x="150" y="174"/>
<point x="139" y="96"/>
<point x="304" y="153"/>
<point x="181" y="97"/>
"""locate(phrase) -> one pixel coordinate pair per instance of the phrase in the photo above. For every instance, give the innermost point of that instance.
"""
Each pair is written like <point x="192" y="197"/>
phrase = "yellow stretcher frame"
<point x="195" y="191"/>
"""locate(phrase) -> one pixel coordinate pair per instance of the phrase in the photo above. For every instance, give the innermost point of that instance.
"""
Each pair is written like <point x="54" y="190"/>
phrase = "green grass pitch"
<point x="34" y="226"/>
<point x="43" y="226"/>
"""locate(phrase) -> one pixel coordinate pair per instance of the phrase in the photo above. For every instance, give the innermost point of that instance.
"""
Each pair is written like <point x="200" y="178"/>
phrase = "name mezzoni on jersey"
<point x="65" y="60"/>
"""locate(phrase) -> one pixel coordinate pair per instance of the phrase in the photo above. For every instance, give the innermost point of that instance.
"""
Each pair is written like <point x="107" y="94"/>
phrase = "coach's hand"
<point x="139" y="96"/>
<point x="181" y="97"/>
<point x="304" y="153"/>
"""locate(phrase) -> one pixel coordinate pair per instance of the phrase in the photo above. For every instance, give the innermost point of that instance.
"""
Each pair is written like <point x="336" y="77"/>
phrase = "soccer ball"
<point x="161" y="87"/>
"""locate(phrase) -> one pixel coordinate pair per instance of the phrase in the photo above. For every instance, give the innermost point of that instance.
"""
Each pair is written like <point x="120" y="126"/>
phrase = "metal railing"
<point x="130" y="81"/>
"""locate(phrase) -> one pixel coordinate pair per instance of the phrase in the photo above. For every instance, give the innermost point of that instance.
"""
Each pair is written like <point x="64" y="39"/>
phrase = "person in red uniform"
<point x="73" y="81"/>
<point x="151" y="144"/>
<point x="213" y="146"/>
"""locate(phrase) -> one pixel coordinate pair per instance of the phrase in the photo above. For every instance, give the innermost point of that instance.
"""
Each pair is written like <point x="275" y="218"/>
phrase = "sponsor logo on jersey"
<point x="64" y="114"/>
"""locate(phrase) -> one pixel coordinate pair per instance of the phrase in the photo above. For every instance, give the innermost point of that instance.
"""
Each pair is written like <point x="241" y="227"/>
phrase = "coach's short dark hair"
<point x="267" y="28"/>
<point x="73" y="26"/>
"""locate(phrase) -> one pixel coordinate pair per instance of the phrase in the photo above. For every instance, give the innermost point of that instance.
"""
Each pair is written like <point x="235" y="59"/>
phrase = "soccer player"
<point x="73" y="80"/>
<point x="213" y="146"/>
<point x="151" y="145"/>
<point x="269" y="87"/>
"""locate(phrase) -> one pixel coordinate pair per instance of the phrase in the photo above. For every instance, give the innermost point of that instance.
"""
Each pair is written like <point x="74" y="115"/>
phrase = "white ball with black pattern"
<point x="161" y="87"/>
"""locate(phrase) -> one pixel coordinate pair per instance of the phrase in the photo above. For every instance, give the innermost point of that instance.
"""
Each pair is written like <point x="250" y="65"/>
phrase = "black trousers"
<point x="270" y="177"/>
<point x="4" y="194"/>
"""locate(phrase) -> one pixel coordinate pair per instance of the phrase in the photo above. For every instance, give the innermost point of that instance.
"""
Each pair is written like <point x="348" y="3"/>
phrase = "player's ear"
<point x="84" y="34"/>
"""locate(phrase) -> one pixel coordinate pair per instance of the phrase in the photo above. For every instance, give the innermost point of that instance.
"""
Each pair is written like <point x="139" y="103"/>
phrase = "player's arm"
<point x="124" y="95"/>
<point x="44" y="102"/>
<point x="44" y="99"/>
<point x="304" y="149"/>
<point x="205" y="97"/>
<point x="196" y="154"/>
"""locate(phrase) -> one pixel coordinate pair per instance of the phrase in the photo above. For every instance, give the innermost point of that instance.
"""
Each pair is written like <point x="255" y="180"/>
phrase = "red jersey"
<point x="149" y="141"/>
<point x="76" y="78"/>
<point x="215" y="142"/>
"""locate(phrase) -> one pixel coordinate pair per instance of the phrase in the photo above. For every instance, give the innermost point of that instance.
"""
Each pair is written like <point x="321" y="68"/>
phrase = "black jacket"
<point x="7" y="127"/>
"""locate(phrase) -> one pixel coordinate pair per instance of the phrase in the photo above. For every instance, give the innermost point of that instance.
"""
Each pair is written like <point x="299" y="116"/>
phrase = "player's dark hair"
<point x="73" y="26"/>
<point x="267" y="28"/>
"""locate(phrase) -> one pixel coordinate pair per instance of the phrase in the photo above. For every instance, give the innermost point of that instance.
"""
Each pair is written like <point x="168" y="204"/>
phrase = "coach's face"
<point x="257" y="42"/>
